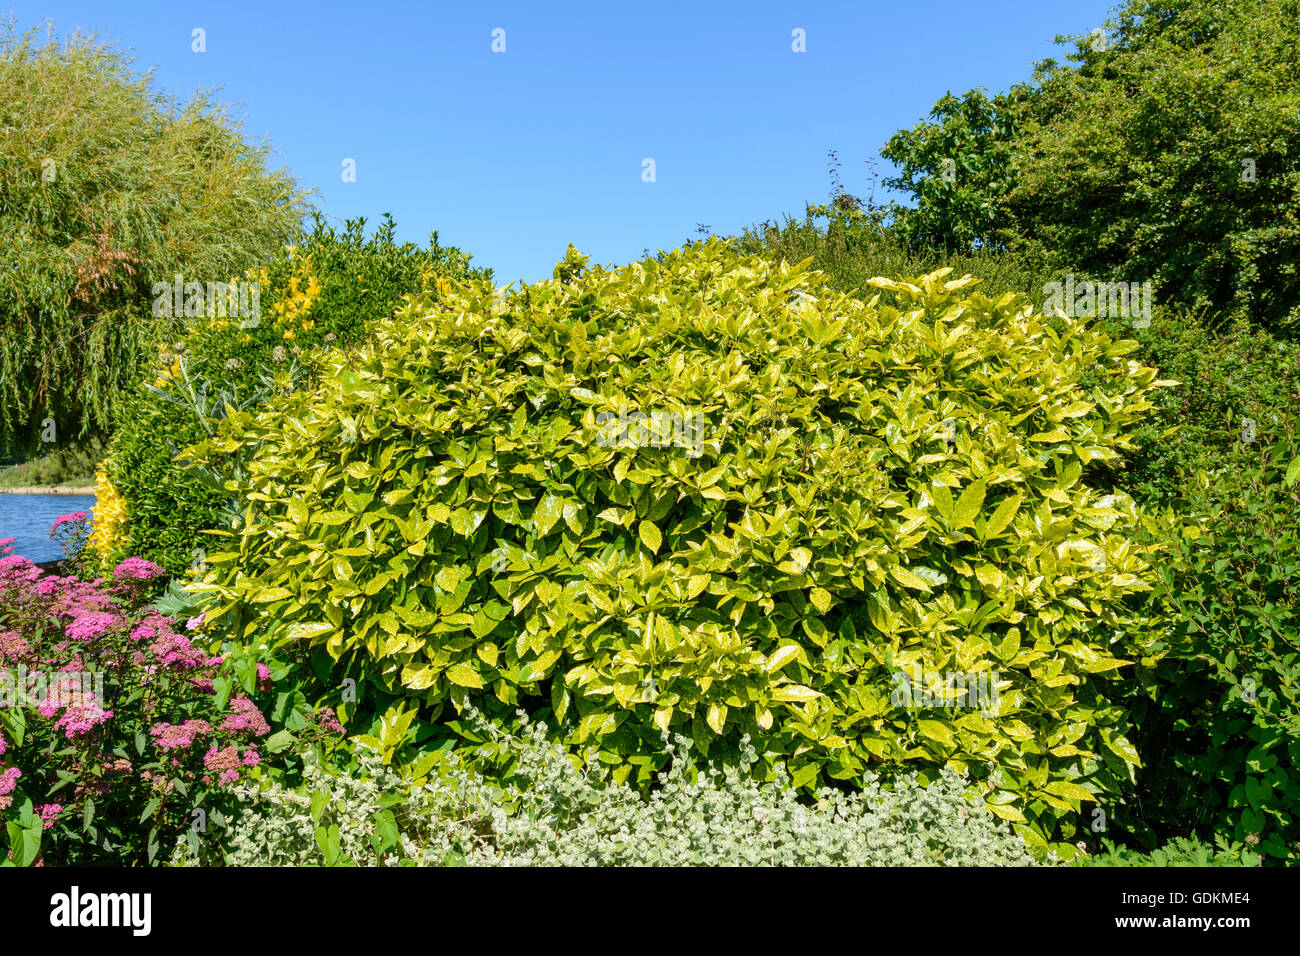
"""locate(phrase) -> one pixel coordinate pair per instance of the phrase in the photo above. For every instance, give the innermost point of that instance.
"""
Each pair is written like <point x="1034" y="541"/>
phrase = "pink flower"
<point x="194" y="623"/>
<point x="325" y="717"/>
<point x="138" y="569"/>
<point x="251" y="757"/>
<point x="175" y="651"/>
<point x="264" y="676"/>
<point x="176" y="736"/>
<point x="204" y="684"/>
<point x="78" y="720"/>
<point x="13" y="647"/>
<point x="49" y="812"/>
<point x="225" y="760"/>
<point x="91" y="625"/>
<point x="9" y="780"/>
<point x="69" y="519"/>
<point x="245" y="716"/>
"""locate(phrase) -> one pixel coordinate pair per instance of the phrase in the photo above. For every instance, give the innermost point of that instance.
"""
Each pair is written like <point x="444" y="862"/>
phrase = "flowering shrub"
<point x="109" y="525"/>
<point x="72" y="532"/>
<point x="117" y="732"/>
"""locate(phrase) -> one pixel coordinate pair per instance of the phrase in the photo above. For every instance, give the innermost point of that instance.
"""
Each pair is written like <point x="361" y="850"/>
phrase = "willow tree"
<point x="108" y="186"/>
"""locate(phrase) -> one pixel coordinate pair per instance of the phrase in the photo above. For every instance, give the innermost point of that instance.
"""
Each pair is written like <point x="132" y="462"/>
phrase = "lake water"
<point x="28" y="518"/>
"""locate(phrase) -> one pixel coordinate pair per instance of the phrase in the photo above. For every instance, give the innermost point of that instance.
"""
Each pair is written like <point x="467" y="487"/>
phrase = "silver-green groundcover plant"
<point x="555" y="813"/>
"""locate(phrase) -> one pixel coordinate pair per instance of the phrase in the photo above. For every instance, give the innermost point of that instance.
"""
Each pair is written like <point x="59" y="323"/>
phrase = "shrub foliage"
<point x="490" y="502"/>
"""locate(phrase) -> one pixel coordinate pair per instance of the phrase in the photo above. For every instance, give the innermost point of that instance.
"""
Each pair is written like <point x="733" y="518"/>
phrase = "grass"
<point x="69" y="465"/>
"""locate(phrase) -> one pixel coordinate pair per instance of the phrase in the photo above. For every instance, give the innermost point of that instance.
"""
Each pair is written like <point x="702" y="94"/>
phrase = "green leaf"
<point x="782" y="656"/>
<point x="650" y="536"/>
<point x="936" y="730"/>
<point x="794" y="693"/>
<point x="968" y="505"/>
<point x="1070" y="791"/>
<point x="1003" y="515"/>
<point x="547" y="514"/>
<point x="462" y="675"/>
<point x="907" y="578"/>
<point x="1120" y="746"/>
<point x="1292" y="472"/>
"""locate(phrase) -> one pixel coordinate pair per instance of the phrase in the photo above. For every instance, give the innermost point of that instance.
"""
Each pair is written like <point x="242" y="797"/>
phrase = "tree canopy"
<point x="107" y="186"/>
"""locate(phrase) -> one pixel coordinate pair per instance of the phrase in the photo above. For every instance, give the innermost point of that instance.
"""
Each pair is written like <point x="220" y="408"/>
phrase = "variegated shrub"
<point x="883" y="487"/>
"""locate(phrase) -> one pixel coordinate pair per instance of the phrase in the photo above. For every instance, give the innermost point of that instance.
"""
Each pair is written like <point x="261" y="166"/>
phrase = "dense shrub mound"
<point x="713" y="496"/>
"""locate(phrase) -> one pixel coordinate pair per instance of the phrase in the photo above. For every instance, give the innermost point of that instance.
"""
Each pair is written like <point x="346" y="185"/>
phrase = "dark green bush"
<point x="1222" y="733"/>
<point x="1229" y="376"/>
<point x="1166" y="149"/>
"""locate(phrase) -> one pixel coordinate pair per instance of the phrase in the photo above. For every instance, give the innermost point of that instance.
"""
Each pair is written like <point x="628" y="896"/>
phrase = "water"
<point x="28" y="518"/>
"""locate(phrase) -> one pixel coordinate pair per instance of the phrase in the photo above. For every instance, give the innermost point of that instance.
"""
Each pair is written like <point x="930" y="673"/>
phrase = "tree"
<point x="1166" y="148"/>
<point x="107" y="187"/>
<point x="957" y="168"/>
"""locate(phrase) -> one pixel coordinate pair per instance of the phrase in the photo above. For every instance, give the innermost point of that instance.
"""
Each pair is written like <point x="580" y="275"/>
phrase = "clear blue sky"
<point x="514" y="155"/>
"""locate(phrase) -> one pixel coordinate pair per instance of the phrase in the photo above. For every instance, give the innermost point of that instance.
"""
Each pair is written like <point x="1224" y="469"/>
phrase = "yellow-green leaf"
<point x="650" y="536"/>
<point x="464" y="676"/>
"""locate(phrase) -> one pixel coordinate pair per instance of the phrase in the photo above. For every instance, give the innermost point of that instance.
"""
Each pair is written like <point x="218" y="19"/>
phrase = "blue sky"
<point x="512" y="156"/>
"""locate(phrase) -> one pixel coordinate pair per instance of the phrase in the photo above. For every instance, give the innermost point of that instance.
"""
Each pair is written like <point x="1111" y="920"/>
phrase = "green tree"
<point x="1166" y="148"/>
<point x="106" y="187"/>
<point x="957" y="167"/>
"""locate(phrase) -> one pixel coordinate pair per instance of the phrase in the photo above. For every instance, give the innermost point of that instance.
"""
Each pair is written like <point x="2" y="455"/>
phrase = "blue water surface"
<point x="28" y="518"/>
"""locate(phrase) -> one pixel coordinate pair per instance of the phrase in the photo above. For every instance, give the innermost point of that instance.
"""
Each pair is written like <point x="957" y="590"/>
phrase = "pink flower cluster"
<point x="137" y="569"/>
<point x="326" y="718"/>
<point x="49" y="812"/>
<point x="226" y="762"/>
<point x="177" y="736"/>
<point x="90" y="625"/>
<point x="245" y="716"/>
<point x="78" y="719"/>
<point x="8" y="780"/>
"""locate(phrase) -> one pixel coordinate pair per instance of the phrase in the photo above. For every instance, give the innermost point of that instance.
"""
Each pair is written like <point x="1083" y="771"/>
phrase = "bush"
<point x="852" y="247"/>
<point x="1221" y="734"/>
<point x="322" y="291"/>
<point x="457" y="514"/>
<point x="1237" y="386"/>
<point x="1181" y="851"/>
<point x="1092" y="168"/>
<point x="550" y="812"/>
<point x="116" y="731"/>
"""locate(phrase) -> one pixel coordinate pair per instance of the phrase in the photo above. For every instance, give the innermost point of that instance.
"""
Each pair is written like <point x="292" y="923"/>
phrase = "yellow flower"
<point x="108" y="519"/>
<point x="288" y="334"/>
